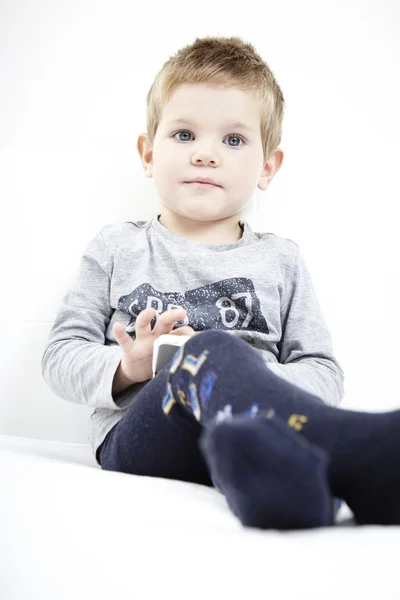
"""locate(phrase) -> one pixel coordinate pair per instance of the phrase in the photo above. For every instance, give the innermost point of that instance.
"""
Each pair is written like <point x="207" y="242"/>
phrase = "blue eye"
<point x="182" y="131"/>
<point x="235" y="135"/>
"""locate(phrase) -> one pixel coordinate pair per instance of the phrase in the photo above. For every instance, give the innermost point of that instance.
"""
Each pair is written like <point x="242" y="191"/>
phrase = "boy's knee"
<point x="212" y="336"/>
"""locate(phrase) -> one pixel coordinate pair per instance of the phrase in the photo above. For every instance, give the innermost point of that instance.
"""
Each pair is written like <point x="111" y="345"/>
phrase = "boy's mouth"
<point x="201" y="184"/>
<point x="204" y="180"/>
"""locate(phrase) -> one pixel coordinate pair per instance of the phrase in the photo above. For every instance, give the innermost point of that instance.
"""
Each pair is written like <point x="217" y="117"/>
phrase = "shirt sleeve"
<point x="306" y="354"/>
<point x="76" y="363"/>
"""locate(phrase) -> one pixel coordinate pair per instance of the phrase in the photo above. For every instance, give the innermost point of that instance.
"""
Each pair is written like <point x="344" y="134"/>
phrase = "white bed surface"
<point x="70" y="530"/>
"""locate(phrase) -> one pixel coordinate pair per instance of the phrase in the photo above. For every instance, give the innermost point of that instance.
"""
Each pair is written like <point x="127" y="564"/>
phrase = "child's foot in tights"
<point x="270" y="476"/>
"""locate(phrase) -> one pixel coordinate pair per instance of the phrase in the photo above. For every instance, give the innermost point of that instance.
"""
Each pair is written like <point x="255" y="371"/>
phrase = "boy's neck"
<point x="197" y="237"/>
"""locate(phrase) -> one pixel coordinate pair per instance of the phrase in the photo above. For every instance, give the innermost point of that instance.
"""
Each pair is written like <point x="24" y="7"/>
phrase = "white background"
<point x="74" y="80"/>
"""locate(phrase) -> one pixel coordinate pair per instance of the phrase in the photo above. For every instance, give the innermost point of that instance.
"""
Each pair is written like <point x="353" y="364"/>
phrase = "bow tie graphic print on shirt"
<point x="230" y="304"/>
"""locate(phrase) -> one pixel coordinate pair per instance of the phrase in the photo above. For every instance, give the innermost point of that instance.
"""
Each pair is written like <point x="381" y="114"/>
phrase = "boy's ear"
<point x="145" y="150"/>
<point x="270" y="169"/>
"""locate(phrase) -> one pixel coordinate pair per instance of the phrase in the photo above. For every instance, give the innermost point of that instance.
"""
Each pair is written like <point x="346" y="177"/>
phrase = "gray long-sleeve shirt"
<point x="257" y="288"/>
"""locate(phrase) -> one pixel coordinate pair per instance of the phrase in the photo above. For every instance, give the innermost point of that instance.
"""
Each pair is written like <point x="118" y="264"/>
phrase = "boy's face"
<point x="210" y="144"/>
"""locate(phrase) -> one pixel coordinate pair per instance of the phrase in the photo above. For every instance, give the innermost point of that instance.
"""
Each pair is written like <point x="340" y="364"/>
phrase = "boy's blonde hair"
<point x="227" y="62"/>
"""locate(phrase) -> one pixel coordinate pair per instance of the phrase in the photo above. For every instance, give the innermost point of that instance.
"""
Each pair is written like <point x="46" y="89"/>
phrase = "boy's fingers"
<point x="123" y="338"/>
<point x="167" y="320"/>
<point x="143" y="322"/>
<point x="143" y="329"/>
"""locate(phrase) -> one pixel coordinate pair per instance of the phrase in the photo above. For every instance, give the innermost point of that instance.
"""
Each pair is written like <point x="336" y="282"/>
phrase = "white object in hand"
<point x="164" y="349"/>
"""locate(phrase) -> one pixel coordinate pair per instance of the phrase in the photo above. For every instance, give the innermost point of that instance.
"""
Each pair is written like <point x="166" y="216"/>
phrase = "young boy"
<point x="249" y="403"/>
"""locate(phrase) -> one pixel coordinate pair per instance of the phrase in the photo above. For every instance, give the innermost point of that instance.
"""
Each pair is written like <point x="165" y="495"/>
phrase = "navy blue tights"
<point x="217" y="415"/>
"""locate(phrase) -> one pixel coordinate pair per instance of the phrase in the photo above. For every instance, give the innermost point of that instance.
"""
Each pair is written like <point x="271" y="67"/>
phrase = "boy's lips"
<point x="201" y="179"/>
<point x="202" y="184"/>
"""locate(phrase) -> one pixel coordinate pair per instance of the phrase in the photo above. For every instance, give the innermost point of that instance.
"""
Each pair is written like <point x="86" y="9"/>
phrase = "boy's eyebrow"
<point x="188" y="122"/>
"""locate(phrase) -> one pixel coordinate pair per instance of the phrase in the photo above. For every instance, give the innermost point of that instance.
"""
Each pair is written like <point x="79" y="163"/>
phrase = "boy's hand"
<point x="137" y="355"/>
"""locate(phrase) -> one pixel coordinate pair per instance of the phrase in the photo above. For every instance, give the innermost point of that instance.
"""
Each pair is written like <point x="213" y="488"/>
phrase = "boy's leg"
<point x="145" y="442"/>
<point x="215" y="377"/>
